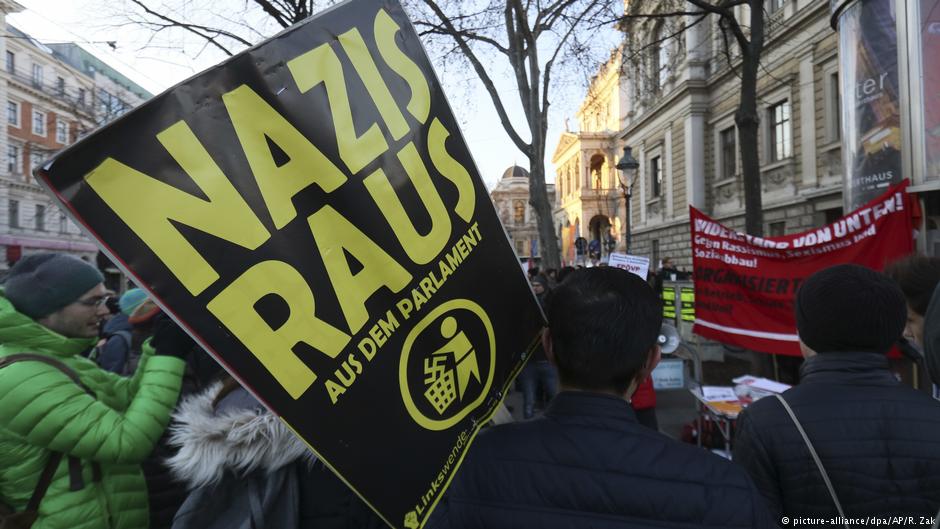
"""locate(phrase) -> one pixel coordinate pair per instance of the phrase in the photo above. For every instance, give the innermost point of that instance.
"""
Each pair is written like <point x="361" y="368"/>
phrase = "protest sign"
<point x="631" y="263"/>
<point x="745" y="285"/>
<point x="310" y="213"/>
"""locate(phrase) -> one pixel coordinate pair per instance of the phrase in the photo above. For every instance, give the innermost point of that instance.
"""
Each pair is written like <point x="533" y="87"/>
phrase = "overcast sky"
<point x="157" y="68"/>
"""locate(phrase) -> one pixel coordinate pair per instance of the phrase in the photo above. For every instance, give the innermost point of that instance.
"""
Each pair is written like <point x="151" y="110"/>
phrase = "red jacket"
<point x="645" y="396"/>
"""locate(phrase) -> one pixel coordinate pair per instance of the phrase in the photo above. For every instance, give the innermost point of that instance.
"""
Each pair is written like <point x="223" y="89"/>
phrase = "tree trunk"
<point x="747" y="119"/>
<point x="538" y="198"/>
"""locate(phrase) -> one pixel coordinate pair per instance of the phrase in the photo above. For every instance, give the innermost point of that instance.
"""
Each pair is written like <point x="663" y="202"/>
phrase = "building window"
<point x="656" y="177"/>
<point x="81" y="96"/>
<point x="40" y="217"/>
<point x="61" y="131"/>
<point x="13" y="113"/>
<point x="833" y="110"/>
<point x="831" y="215"/>
<point x="13" y="159"/>
<point x="60" y="86"/>
<point x="35" y="159"/>
<point x="775" y="5"/>
<point x="520" y="248"/>
<point x="728" y="153"/>
<point x="518" y="212"/>
<point x="39" y="123"/>
<point x="11" y="62"/>
<point x="777" y="229"/>
<point x="14" y="213"/>
<point x="658" y="58"/>
<point x="63" y="223"/>
<point x="781" y="143"/>
<point x="37" y="74"/>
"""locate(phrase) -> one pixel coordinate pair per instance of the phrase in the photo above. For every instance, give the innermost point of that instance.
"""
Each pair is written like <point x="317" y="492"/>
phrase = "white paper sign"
<point x="718" y="393"/>
<point x="631" y="263"/>
<point x="669" y="375"/>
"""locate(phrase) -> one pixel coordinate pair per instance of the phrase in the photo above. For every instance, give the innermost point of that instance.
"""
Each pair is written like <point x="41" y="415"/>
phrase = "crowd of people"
<point x="112" y="417"/>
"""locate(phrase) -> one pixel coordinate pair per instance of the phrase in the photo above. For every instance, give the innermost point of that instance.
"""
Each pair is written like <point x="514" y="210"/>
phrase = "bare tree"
<point x="537" y="40"/>
<point x="534" y="38"/>
<point x="744" y="56"/>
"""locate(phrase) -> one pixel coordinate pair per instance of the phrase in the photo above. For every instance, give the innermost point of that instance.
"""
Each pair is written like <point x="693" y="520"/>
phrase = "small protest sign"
<point x="310" y="213"/>
<point x="631" y="263"/>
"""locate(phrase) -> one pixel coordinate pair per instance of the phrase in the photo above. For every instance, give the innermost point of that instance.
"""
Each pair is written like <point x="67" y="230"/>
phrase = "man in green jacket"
<point x="51" y="304"/>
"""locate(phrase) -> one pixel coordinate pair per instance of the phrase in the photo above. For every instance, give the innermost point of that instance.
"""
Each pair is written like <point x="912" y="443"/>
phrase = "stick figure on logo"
<point x="442" y="391"/>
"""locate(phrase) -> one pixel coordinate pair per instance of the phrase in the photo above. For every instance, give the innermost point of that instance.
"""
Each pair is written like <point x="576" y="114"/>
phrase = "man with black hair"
<point x="849" y="437"/>
<point x="588" y="462"/>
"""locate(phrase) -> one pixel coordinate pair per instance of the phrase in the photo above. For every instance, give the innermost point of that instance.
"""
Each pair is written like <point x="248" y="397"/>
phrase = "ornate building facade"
<point x="52" y="99"/>
<point x="511" y="198"/>
<point x="676" y="98"/>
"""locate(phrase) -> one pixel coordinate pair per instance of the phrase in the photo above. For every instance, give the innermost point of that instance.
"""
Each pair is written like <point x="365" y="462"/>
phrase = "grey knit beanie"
<point x="42" y="283"/>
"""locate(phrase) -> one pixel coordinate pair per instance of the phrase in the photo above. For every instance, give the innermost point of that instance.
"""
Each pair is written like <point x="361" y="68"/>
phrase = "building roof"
<point x="87" y="62"/>
<point x="515" y="172"/>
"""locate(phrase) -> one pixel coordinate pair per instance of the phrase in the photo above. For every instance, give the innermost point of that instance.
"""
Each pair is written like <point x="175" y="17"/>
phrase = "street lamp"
<point x="627" y="167"/>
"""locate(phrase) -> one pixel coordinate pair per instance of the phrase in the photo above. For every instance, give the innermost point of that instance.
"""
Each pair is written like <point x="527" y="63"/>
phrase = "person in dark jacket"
<point x="876" y="439"/>
<point x="538" y="376"/>
<point x="245" y="468"/>
<point x="588" y="462"/>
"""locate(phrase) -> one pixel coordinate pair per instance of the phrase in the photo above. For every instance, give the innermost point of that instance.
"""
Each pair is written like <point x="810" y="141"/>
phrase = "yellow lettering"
<point x="335" y="390"/>
<point x="422" y="249"/>
<point x="361" y="59"/>
<point x="321" y="65"/>
<point x="256" y="122"/>
<point x="445" y="270"/>
<point x="377" y="335"/>
<point x="405" y="306"/>
<point x="451" y="169"/>
<point x="367" y="348"/>
<point x="462" y="248"/>
<point x="418" y="298"/>
<point x="389" y="324"/>
<point x="335" y="236"/>
<point x="234" y="307"/>
<point x="356" y="364"/>
<point x="385" y="29"/>
<point x="427" y="287"/>
<point x="225" y="214"/>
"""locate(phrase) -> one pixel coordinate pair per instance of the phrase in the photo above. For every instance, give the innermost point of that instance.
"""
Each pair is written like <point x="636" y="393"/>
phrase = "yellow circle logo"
<point x="447" y="364"/>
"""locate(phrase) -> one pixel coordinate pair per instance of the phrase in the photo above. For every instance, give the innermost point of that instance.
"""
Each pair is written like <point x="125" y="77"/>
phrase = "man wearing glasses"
<point x="51" y="306"/>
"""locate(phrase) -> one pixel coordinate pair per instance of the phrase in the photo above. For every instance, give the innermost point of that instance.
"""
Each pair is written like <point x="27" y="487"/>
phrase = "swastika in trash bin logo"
<point x="447" y="364"/>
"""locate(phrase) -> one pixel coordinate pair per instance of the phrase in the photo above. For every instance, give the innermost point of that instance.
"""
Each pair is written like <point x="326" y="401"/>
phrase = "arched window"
<point x="659" y="57"/>
<point x="518" y="215"/>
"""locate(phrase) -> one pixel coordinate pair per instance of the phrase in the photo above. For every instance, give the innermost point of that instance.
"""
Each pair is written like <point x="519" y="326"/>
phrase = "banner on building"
<point x="631" y="263"/>
<point x="871" y="111"/>
<point x="745" y="286"/>
<point x="309" y="211"/>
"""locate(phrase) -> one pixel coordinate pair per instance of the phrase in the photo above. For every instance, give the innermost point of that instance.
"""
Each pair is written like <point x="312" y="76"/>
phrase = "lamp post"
<point x="627" y="167"/>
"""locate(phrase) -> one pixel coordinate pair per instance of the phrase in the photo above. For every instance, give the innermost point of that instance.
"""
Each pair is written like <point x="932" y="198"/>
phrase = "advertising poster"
<point x="745" y="285"/>
<point x="930" y="40"/>
<point x="309" y="212"/>
<point x="871" y="122"/>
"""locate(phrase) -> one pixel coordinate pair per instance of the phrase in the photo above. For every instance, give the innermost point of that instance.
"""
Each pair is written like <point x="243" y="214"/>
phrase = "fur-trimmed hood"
<point x="237" y="439"/>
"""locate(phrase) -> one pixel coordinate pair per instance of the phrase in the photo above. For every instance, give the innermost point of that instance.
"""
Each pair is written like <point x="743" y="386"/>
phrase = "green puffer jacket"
<point x="41" y="409"/>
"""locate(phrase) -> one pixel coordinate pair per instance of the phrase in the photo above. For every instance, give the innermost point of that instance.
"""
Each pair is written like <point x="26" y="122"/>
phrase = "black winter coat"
<point x="879" y="442"/>
<point x="588" y="463"/>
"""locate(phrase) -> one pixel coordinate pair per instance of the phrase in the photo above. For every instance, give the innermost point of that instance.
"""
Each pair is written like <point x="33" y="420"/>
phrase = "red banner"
<point x="745" y="285"/>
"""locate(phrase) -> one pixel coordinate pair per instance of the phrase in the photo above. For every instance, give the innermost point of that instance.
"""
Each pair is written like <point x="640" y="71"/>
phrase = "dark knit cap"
<point x="42" y="283"/>
<point x="850" y="308"/>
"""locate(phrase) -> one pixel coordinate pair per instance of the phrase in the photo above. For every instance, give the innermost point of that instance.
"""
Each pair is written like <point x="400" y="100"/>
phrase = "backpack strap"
<point x="812" y="452"/>
<point x="45" y="479"/>
<point x="54" y="362"/>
